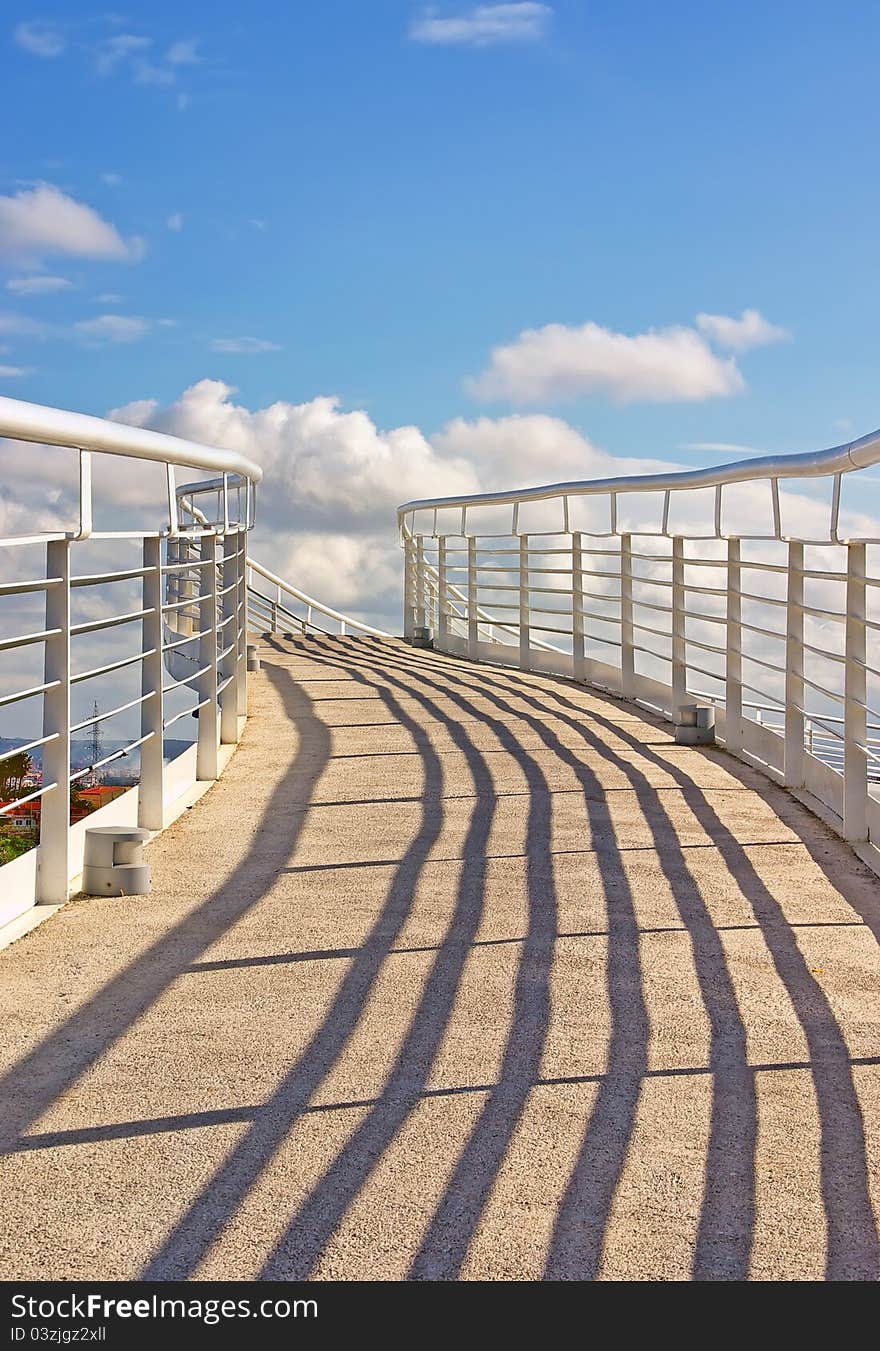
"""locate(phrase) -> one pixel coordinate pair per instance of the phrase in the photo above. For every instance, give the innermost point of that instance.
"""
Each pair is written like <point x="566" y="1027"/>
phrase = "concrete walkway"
<point x="457" y="973"/>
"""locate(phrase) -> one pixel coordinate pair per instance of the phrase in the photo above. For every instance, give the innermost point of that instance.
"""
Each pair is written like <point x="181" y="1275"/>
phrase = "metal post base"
<point x="695" y="725"/>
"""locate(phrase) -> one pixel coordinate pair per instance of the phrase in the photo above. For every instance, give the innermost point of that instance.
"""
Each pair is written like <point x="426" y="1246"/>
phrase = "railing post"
<point x="794" y="669"/>
<point x="473" y="602"/>
<point x="442" y="602"/>
<point x="421" y="596"/>
<point x="151" y="792"/>
<point x="409" y="593"/>
<point x="241" y="624"/>
<point x="207" y="763"/>
<point x="525" y="646"/>
<point x="679" y="630"/>
<point x="578" y="665"/>
<point x="53" y="856"/>
<point x="855" y="714"/>
<point x="733" y="719"/>
<point x="627" y="649"/>
<point x="228" y="670"/>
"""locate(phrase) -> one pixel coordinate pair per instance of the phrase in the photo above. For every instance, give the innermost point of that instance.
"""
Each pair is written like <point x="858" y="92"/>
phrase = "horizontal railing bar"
<point x="602" y="595"/>
<point x="756" y="628"/>
<point x="702" y="670"/>
<point x="184" y="713"/>
<point x="36" y="584"/>
<point x="182" y="642"/>
<point x="29" y="693"/>
<point x="114" y="755"/>
<point x="821" y="689"/>
<point x="221" y="684"/>
<point x="30" y="746"/>
<point x="99" y="578"/>
<point x="25" y="639"/>
<point x="186" y="680"/>
<point x="111" y="666"/>
<point x="705" y="647"/>
<point x="828" y="656"/>
<point x="646" y="628"/>
<point x="763" y="600"/>
<point x="79" y="431"/>
<point x="123" y="708"/>
<point x="759" y="661"/>
<point x="705" y="590"/>
<point x="93" y="625"/>
<point x="10" y="540"/>
<point x="652" y="605"/>
<point x="822" y="614"/>
<point x="189" y="600"/>
<point x="184" y="566"/>
<point x="773" y="705"/>
<point x="11" y="806"/>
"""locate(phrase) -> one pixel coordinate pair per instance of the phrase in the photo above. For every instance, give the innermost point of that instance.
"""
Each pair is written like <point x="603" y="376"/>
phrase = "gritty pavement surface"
<point x="458" y="973"/>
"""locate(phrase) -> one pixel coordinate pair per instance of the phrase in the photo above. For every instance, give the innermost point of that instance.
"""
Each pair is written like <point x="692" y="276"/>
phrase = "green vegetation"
<point x="13" y="772"/>
<point x="15" y="842"/>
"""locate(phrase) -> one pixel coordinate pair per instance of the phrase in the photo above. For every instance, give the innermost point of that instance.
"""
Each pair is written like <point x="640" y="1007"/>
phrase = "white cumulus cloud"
<point x="560" y="362"/>
<point x="14" y="372"/>
<point x="484" y="25"/>
<point x="243" y="346"/>
<point x="112" y="328"/>
<point x="119" y="49"/>
<point x="183" y="53"/>
<point x="175" y="222"/>
<point x="44" y="220"/>
<point x="38" y="286"/>
<point x="751" y="329"/>
<point x="40" y="38"/>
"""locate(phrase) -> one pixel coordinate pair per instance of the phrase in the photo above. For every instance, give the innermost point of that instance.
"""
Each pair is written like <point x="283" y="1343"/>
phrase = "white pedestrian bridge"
<point x="466" y="967"/>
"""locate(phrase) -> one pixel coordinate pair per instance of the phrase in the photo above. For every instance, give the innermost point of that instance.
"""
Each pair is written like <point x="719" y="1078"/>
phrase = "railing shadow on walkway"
<point x="727" y="1221"/>
<point x="725" y="1229"/>
<point x="56" y="1063"/>
<point x="726" y="1226"/>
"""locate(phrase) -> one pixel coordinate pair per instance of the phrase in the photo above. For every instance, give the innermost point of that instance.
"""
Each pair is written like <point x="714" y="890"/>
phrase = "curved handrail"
<point x="314" y="604"/>
<point x="810" y="464"/>
<point x="80" y="431"/>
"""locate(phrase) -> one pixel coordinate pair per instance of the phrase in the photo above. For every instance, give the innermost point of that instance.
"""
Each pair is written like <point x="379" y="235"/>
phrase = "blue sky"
<point x="381" y="208"/>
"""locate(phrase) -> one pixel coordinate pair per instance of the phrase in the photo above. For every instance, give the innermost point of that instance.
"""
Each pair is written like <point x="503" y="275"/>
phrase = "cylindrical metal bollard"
<point x="695" y="725"/>
<point x="113" y="862"/>
<point x="253" y="657"/>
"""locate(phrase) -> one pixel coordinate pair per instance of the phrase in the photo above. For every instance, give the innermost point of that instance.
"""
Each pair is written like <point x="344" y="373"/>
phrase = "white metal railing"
<point x="637" y="586"/>
<point x="288" y="609"/>
<point x="173" y="603"/>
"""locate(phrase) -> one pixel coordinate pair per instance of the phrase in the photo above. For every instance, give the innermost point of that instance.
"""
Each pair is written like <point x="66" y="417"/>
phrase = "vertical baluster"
<point x="794" y="669"/>
<point x="241" y="623"/>
<point x="855" y="715"/>
<point x="207" y="764"/>
<point x="442" y="599"/>
<point x="53" y="856"/>
<point x="421" y="590"/>
<point x="627" y="649"/>
<point x="679" y="630"/>
<point x="151" y="792"/>
<point x="525" y="646"/>
<point x="733" y="719"/>
<point x="409" y="591"/>
<point x="229" y="663"/>
<point x="473" y="602"/>
<point x="578" y="665"/>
